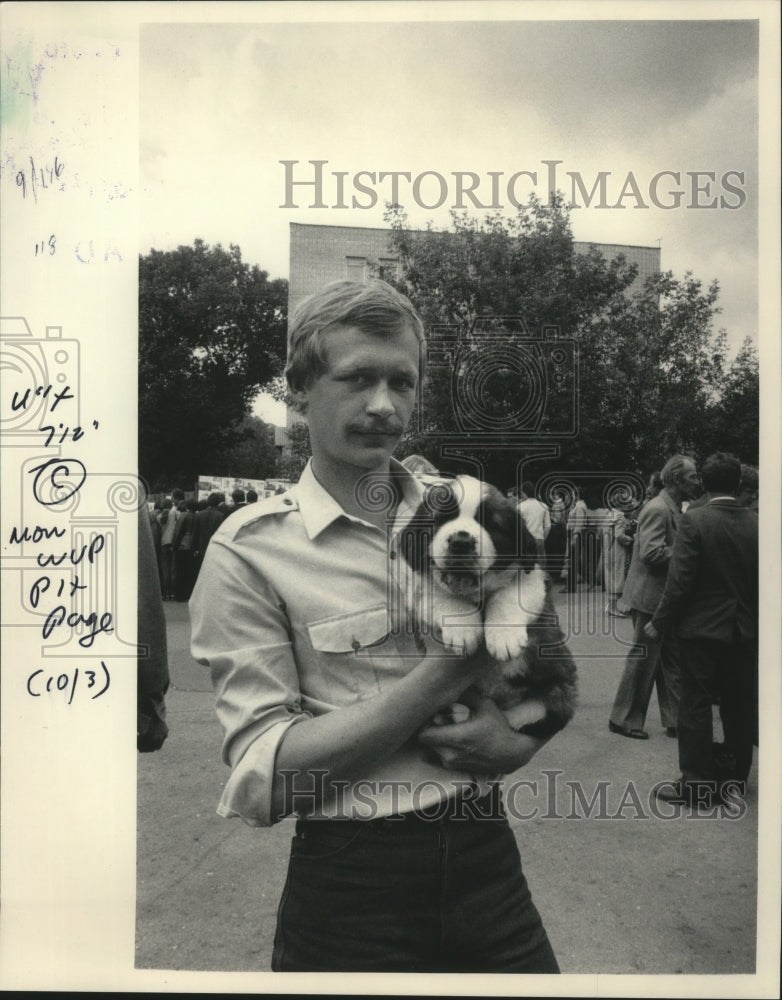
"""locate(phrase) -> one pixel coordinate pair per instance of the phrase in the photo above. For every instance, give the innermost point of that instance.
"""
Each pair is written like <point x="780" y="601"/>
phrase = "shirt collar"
<point x="319" y="509"/>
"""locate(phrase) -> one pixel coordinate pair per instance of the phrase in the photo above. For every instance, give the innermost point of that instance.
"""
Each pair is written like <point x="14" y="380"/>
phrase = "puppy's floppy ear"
<point x="528" y="547"/>
<point x="415" y="539"/>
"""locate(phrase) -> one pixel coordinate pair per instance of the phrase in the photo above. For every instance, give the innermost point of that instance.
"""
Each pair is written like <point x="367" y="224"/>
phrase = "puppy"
<point x="474" y="579"/>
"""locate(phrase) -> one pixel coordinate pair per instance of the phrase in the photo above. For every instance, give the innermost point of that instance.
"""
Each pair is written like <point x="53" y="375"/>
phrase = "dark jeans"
<point x="408" y="895"/>
<point x="716" y="671"/>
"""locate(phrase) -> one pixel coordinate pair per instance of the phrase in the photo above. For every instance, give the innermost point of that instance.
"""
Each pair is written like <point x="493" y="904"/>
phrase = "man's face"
<point x="359" y="408"/>
<point x="746" y="496"/>
<point x="689" y="481"/>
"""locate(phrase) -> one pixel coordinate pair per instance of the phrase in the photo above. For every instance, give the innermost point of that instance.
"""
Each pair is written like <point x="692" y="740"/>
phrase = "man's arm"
<point x="196" y="533"/>
<point x="258" y="700"/>
<point x="348" y="742"/>
<point x="178" y="530"/>
<point x="546" y="522"/>
<point x="653" y="547"/>
<point x="682" y="571"/>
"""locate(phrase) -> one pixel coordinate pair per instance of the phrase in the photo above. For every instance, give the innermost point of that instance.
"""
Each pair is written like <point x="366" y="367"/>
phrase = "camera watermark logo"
<point x="66" y="534"/>
<point x="40" y="378"/>
<point x="505" y="384"/>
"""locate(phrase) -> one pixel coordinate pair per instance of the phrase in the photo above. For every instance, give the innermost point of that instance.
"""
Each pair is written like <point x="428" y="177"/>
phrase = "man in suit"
<point x="650" y="661"/>
<point x="710" y="602"/>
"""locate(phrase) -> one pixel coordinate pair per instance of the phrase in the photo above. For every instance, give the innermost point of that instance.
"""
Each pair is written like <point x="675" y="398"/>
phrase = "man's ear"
<point x="298" y="399"/>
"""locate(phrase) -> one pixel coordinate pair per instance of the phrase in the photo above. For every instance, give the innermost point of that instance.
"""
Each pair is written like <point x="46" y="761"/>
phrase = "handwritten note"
<point x="59" y="593"/>
<point x="70" y="489"/>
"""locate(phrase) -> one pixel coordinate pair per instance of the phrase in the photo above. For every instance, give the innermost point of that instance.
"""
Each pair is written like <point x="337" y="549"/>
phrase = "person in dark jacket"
<point x="207" y="521"/>
<point x="184" y="559"/>
<point x="710" y="602"/>
<point x="152" y="659"/>
<point x="239" y="500"/>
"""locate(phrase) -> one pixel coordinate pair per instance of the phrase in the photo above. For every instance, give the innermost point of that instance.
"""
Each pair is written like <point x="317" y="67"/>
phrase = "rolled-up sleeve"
<point x="239" y="630"/>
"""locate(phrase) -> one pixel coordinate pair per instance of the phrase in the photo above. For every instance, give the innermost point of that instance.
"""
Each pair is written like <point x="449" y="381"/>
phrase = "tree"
<point x="211" y="334"/>
<point x="254" y="456"/>
<point x="299" y="451"/>
<point x="734" y="418"/>
<point x="489" y="378"/>
<point x="614" y="381"/>
<point x="652" y="370"/>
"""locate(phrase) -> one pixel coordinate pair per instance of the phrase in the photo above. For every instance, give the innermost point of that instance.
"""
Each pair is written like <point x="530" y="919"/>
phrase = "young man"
<point x="325" y="696"/>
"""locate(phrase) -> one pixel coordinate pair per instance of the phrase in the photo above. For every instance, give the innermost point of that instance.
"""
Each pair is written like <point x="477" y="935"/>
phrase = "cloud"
<point x="223" y="104"/>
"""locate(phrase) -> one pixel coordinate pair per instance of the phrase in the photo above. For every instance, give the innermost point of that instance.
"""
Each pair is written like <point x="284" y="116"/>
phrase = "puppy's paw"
<point x="506" y="642"/>
<point x="462" y="639"/>
<point x="451" y="716"/>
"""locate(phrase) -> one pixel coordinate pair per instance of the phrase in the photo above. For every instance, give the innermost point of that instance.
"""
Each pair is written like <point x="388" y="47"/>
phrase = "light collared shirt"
<point x="577" y="519"/>
<point x="557" y="512"/>
<point x="298" y="611"/>
<point x="169" y="528"/>
<point x="536" y="517"/>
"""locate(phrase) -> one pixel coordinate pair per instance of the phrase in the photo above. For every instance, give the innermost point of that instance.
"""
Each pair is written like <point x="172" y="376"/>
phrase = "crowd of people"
<point x="683" y="565"/>
<point x="693" y="605"/>
<point x="181" y="530"/>
<point x="581" y="541"/>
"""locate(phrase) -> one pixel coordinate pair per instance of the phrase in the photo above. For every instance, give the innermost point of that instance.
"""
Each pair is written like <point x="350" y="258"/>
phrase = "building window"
<point x="356" y="268"/>
<point x="387" y="269"/>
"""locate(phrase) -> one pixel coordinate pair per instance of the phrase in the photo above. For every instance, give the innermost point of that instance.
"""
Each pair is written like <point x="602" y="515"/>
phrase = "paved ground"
<point x="620" y="891"/>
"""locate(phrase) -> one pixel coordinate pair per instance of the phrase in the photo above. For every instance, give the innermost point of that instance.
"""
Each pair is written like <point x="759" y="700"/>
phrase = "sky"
<point x="223" y="104"/>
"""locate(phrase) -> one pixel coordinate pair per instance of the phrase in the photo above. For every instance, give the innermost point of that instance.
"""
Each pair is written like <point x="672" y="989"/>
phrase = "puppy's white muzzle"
<point x="463" y="544"/>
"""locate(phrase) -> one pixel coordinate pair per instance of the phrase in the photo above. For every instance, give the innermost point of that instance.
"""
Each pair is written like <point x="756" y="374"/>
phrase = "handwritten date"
<point x="39" y="178"/>
<point x="40" y="683"/>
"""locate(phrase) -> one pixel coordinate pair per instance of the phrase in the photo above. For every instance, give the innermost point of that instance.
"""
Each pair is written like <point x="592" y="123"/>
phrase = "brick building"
<point x="319" y="254"/>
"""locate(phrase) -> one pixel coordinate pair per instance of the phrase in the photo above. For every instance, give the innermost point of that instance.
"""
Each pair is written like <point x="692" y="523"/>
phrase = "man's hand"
<point x="651" y="632"/>
<point x="453" y="673"/>
<point x="484" y="743"/>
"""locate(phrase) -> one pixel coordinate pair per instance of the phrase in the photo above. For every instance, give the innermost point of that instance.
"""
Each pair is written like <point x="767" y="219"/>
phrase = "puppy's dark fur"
<point x="475" y="579"/>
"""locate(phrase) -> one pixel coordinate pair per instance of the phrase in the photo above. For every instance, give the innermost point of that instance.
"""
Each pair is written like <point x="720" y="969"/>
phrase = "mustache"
<point x="389" y="429"/>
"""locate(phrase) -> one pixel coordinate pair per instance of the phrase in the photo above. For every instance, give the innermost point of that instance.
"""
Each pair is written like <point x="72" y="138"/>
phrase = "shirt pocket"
<point x="353" y="652"/>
